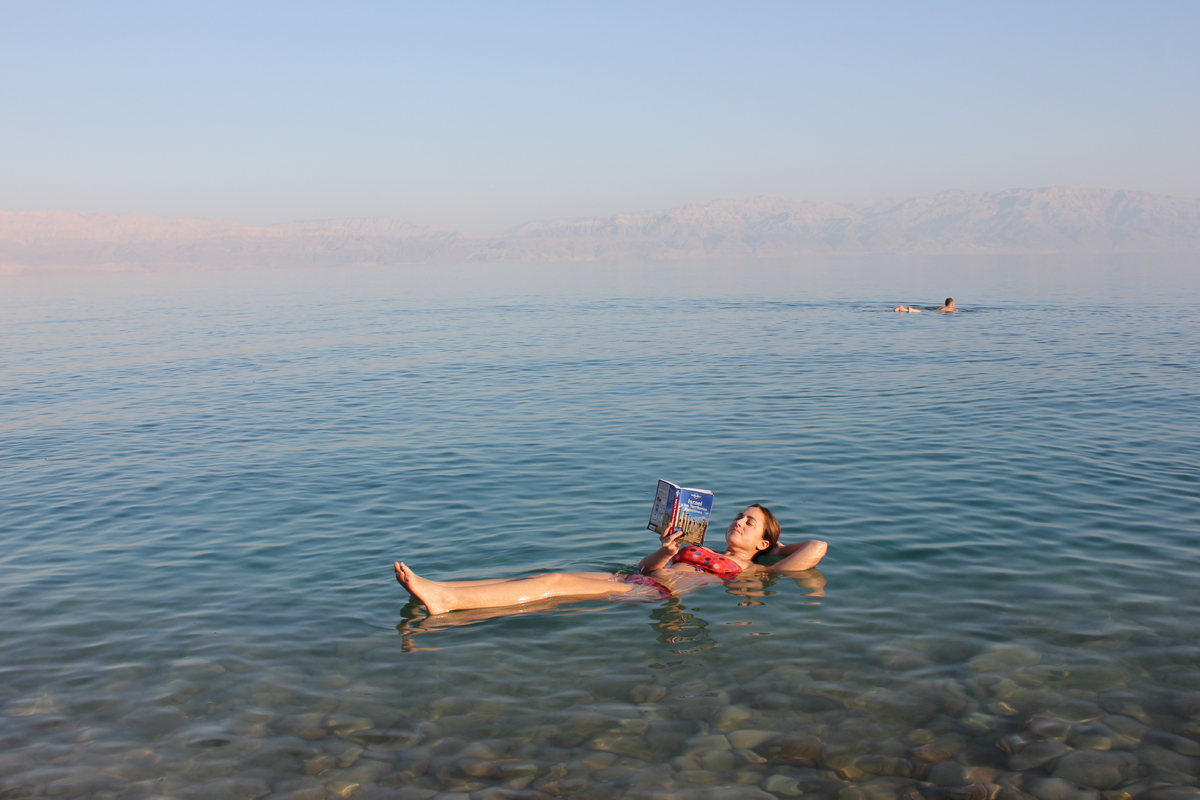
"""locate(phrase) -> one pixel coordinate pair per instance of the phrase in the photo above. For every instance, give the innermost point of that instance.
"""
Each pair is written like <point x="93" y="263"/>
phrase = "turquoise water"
<point x="206" y="478"/>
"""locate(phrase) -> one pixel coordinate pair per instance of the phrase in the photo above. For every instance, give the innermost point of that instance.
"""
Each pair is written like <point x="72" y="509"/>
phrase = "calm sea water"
<point x="206" y="479"/>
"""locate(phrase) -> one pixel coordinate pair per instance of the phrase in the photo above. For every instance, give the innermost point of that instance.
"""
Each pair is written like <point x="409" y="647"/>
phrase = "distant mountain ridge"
<point x="1055" y="219"/>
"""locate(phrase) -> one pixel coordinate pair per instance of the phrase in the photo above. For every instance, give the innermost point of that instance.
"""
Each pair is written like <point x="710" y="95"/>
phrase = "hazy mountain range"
<point x="1058" y="219"/>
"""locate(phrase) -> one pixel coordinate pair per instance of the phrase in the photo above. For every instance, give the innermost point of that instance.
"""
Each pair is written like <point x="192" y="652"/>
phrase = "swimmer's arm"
<point x="798" y="556"/>
<point x="663" y="555"/>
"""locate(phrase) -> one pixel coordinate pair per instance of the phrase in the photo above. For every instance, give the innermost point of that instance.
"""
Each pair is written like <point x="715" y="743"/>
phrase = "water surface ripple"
<point x="206" y="479"/>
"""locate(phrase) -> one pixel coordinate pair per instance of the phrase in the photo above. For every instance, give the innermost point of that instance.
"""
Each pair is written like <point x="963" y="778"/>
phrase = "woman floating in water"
<point x="670" y="570"/>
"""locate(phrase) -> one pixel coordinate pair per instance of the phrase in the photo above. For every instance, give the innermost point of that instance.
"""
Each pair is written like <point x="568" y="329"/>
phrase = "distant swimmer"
<point x="949" y="306"/>
<point x="909" y="309"/>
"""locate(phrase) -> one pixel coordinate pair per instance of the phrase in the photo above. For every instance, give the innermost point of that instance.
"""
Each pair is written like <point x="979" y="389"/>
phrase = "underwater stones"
<point x="1092" y="742"/>
<point x="1059" y="789"/>
<point x="552" y="782"/>
<point x="749" y="738"/>
<point x="633" y="727"/>
<point x="919" y="736"/>
<point x="647" y="693"/>
<point x="772" y="701"/>
<point x="175" y="693"/>
<point x="749" y="756"/>
<point x="1128" y="727"/>
<point x="619" y="743"/>
<point x="782" y="786"/>
<point x="810" y="703"/>
<point x="731" y="717"/>
<point x="943" y="748"/>
<point x="215" y="738"/>
<point x="954" y="774"/>
<point x="972" y="791"/>
<point x="319" y="764"/>
<point x="798" y="747"/>
<point x="298" y="789"/>
<point x="665" y="735"/>
<point x="1172" y="793"/>
<point x="588" y="722"/>
<point x="899" y="707"/>
<point x="843" y="761"/>
<point x="209" y="769"/>
<point x="83" y="785"/>
<point x="29" y="706"/>
<point x="979" y="724"/>
<point x="317" y="793"/>
<point x="1004" y="657"/>
<point x="1097" y="769"/>
<point x="717" y="760"/>
<point x="899" y="657"/>
<point x="196" y="666"/>
<point x="1100" y="677"/>
<point x="507" y="793"/>
<point x="1074" y="711"/>
<point x="737" y="793"/>
<point x="384" y="740"/>
<point x="1035" y="754"/>
<point x="888" y="766"/>
<point x="227" y="789"/>
<point x="991" y="687"/>
<point x="281" y="753"/>
<point x="559" y="701"/>
<point x="251" y="722"/>
<point x="415" y="761"/>
<point x="1049" y="728"/>
<point x="599" y="760"/>
<point x="343" y="724"/>
<point x="707" y="742"/>
<point x="1042" y="673"/>
<point x="1179" y="744"/>
<point x="1120" y="703"/>
<point x="342" y="788"/>
<point x="930" y="754"/>
<point x="153" y="721"/>
<point x="459" y="705"/>
<point x="349" y="757"/>
<point x="306" y="726"/>
<point x="1155" y="756"/>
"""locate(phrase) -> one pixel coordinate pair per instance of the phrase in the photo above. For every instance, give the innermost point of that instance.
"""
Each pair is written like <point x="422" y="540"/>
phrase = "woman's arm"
<point x="798" y="556"/>
<point x="663" y="555"/>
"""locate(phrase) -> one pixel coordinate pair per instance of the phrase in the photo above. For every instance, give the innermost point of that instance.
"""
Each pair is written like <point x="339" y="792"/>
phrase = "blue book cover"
<point x="686" y="509"/>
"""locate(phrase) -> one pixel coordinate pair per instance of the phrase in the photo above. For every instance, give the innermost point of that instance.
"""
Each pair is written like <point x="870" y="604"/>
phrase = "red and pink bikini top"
<point x="704" y="559"/>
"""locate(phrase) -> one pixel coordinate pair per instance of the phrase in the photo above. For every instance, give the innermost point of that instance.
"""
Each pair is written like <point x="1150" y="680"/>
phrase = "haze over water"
<point x="207" y="477"/>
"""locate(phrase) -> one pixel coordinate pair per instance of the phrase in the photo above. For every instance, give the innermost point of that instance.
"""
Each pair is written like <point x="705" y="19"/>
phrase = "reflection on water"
<point x="205" y="484"/>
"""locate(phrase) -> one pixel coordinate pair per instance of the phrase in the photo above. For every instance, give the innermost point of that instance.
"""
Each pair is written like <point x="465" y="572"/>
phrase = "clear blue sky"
<point x="479" y="116"/>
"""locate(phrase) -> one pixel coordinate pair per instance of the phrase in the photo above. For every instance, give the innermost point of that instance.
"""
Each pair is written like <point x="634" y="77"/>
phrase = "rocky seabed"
<point x="1001" y="725"/>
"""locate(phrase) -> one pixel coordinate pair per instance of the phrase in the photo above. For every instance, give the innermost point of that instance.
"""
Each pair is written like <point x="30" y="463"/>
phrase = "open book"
<point x="676" y="507"/>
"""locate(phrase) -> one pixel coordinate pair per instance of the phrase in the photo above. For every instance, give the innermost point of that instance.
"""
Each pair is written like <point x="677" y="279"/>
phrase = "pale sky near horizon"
<point x="480" y="116"/>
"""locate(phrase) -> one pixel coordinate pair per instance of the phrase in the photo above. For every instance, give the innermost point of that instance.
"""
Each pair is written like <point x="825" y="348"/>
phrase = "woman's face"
<point x="747" y="529"/>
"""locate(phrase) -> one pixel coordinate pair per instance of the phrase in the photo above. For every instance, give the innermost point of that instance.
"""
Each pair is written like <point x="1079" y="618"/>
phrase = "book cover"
<point x="677" y="507"/>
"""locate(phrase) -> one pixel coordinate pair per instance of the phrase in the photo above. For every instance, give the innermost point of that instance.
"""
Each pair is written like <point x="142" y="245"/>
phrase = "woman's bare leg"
<point x="440" y="598"/>
<point x="603" y="576"/>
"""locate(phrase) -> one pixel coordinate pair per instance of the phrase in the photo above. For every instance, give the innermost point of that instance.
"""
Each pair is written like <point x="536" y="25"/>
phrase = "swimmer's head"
<point x="949" y="301"/>
<point x="770" y="527"/>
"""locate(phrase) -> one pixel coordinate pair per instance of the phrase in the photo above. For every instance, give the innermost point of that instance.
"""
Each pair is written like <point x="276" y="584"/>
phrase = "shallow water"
<point x="207" y="477"/>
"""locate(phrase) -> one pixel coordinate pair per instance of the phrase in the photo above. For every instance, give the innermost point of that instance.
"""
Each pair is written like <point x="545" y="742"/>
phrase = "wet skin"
<point x="743" y="539"/>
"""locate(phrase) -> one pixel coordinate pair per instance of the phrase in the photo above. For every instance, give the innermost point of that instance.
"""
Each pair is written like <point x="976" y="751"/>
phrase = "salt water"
<point x="206" y="479"/>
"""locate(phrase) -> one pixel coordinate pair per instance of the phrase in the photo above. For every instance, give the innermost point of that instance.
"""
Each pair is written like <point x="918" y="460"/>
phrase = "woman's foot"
<point x="437" y="598"/>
